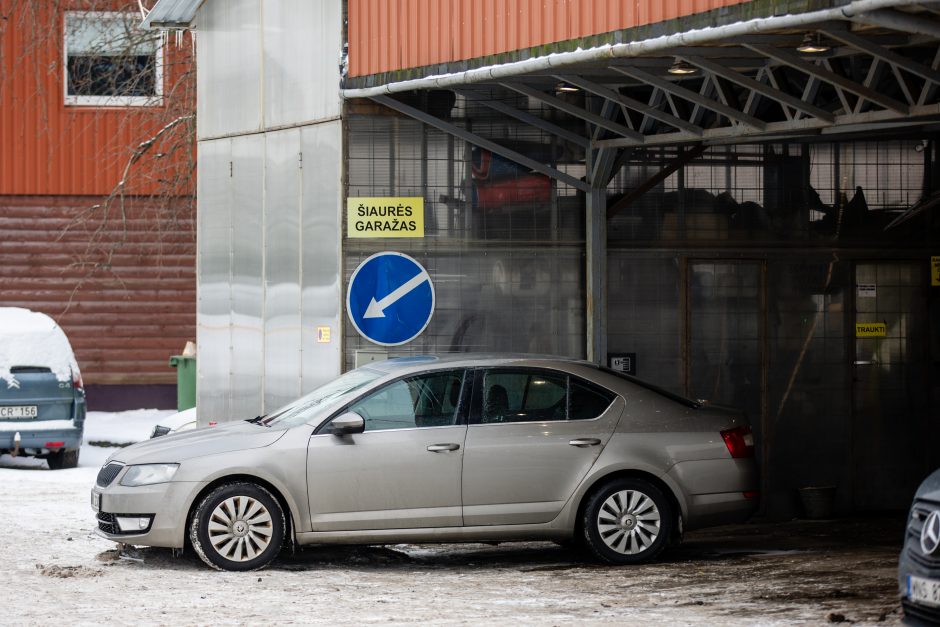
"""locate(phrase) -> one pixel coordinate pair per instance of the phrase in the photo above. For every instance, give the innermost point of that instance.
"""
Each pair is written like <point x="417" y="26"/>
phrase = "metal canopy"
<point x="748" y="83"/>
<point x="880" y="72"/>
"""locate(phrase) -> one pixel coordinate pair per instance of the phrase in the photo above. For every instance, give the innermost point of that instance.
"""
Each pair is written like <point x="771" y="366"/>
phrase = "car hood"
<point x="199" y="443"/>
<point x="930" y="488"/>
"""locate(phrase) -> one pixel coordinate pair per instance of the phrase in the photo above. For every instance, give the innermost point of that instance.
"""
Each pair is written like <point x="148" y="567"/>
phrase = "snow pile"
<point x="30" y="338"/>
<point x="123" y="427"/>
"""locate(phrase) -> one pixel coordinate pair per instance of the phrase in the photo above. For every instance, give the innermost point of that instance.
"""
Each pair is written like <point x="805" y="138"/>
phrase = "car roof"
<point x="31" y="338"/>
<point x="402" y="365"/>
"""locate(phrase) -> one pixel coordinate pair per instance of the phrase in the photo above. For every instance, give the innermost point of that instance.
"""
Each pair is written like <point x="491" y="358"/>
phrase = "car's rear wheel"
<point x="238" y="526"/>
<point x="627" y="521"/>
<point x="62" y="459"/>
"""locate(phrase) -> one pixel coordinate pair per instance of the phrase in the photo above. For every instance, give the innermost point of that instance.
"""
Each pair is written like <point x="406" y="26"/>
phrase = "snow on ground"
<point x="798" y="573"/>
<point x="122" y="427"/>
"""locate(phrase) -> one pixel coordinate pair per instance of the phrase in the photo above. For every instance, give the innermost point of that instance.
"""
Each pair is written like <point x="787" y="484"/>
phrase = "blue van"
<point x="42" y="398"/>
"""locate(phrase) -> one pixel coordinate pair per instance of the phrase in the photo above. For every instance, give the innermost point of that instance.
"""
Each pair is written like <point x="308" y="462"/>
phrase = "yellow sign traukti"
<point x="385" y="217"/>
<point x="871" y="329"/>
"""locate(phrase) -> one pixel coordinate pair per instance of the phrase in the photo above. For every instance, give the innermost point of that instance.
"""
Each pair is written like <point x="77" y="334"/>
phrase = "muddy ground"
<point x="53" y="567"/>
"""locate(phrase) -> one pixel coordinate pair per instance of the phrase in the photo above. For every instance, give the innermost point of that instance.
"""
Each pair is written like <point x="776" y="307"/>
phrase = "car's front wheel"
<point x="627" y="521"/>
<point x="238" y="526"/>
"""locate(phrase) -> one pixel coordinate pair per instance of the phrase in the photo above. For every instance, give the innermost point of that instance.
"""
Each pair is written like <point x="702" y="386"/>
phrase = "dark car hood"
<point x="930" y="488"/>
<point x="199" y="443"/>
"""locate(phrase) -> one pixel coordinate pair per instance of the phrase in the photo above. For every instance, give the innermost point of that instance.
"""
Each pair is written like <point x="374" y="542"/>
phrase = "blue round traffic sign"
<point x="390" y="299"/>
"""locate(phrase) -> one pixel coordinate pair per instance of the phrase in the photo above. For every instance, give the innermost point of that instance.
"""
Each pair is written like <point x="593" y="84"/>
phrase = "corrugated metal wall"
<point x="126" y="298"/>
<point x="386" y="35"/>
<point x="122" y="287"/>
<point x="47" y="147"/>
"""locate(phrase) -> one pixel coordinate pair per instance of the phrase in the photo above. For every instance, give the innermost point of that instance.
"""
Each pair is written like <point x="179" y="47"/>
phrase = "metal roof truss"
<point x="876" y="75"/>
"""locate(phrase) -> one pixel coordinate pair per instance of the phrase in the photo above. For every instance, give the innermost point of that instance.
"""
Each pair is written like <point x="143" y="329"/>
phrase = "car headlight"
<point x="148" y="474"/>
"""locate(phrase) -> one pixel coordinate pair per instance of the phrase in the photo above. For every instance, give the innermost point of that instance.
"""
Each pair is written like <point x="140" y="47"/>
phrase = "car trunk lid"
<point x="33" y="393"/>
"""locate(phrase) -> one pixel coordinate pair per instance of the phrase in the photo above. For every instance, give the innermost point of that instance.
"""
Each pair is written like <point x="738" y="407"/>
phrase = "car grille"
<point x="107" y="474"/>
<point x="925" y="613"/>
<point x="107" y="523"/>
<point x="919" y="512"/>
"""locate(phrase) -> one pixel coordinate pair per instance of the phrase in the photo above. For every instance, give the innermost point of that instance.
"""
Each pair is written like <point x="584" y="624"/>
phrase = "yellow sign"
<point x="323" y="334"/>
<point x="385" y="217"/>
<point x="871" y="329"/>
<point x="935" y="271"/>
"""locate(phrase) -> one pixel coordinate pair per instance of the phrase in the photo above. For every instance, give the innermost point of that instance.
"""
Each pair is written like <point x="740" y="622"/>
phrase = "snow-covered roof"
<point x="171" y="14"/>
<point x="31" y="338"/>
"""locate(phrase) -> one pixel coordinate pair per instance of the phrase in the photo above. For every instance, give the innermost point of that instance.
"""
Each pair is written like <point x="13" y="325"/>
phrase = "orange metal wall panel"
<point x="125" y="293"/>
<point x="47" y="147"/>
<point x="388" y="35"/>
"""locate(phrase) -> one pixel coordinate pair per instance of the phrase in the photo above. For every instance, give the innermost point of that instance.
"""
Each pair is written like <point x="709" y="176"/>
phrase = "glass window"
<point x="538" y="396"/>
<point x="429" y="400"/>
<point x="524" y="396"/>
<point x="305" y="407"/>
<point x="110" y="61"/>
<point x="587" y="401"/>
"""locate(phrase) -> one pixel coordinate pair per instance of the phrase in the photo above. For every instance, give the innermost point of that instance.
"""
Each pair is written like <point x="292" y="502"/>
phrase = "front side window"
<point x="539" y="396"/>
<point x="429" y="400"/>
<point x="110" y="61"/>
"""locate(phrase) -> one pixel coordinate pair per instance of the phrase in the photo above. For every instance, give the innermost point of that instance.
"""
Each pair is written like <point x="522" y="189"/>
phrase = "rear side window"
<point x="588" y="401"/>
<point x="519" y="395"/>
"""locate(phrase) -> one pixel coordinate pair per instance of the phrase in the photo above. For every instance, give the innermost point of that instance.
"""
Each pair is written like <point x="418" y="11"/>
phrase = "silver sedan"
<point x="441" y="449"/>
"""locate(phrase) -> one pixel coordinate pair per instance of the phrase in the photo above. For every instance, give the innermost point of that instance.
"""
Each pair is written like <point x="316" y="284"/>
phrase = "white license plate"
<point x="95" y="500"/>
<point x="18" y="411"/>
<point x="923" y="591"/>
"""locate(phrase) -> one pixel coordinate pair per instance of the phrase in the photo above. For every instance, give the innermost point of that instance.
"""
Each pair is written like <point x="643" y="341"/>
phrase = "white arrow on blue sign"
<point x="390" y="299"/>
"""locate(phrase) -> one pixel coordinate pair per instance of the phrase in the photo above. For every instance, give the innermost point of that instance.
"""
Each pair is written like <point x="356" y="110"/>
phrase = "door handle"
<point x="584" y="442"/>
<point x="437" y="448"/>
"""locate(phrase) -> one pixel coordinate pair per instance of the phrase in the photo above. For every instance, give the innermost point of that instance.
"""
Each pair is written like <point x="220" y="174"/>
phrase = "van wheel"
<point x="238" y="526"/>
<point x="627" y="521"/>
<point x="62" y="459"/>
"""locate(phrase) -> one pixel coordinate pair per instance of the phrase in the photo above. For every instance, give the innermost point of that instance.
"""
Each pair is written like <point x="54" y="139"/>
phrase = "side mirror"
<point x="348" y="423"/>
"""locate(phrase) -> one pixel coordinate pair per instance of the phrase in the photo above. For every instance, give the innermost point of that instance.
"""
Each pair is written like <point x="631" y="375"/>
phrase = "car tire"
<point x="627" y="521"/>
<point x="238" y="526"/>
<point x="63" y="459"/>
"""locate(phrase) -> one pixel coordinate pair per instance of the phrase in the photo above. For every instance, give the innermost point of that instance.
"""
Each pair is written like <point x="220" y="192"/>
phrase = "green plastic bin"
<point x="185" y="381"/>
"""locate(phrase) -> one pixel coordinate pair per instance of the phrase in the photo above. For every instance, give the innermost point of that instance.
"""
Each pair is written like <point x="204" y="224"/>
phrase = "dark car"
<point x="42" y="398"/>
<point x="919" y="567"/>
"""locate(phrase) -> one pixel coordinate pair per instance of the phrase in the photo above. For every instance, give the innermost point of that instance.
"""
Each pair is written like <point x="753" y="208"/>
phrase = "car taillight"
<point x="77" y="379"/>
<point x="740" y="441"/>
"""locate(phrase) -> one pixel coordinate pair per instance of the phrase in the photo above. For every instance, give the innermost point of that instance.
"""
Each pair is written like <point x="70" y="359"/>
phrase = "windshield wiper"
<point x="257" y="420"/>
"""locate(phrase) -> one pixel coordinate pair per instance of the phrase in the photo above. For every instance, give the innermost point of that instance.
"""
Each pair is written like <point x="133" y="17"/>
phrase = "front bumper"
<point x="168" y="504"/>
<point x="913" y="562"/>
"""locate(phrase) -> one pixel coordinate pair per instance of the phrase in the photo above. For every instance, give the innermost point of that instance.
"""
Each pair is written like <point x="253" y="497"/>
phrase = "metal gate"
<point x="890" y="397"/>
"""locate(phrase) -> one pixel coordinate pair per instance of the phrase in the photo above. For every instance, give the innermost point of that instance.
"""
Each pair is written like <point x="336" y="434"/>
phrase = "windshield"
<point x="302" y="409"/>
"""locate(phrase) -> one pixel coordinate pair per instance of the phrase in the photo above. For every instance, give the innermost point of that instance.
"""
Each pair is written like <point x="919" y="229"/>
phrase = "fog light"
<point x="132" y="523"/>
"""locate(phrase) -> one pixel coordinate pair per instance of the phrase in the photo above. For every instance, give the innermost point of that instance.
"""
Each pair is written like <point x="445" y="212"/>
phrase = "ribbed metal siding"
<point x="391" y="35"/>
<point x="47" y="148"/>
<point x="126" y="300"/>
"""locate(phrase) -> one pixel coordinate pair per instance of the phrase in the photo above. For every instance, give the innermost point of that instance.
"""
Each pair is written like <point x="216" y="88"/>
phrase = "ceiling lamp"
<point x="565" y="88"/>
<point x="812" y="44"/>
<point x="682" y="67"/>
